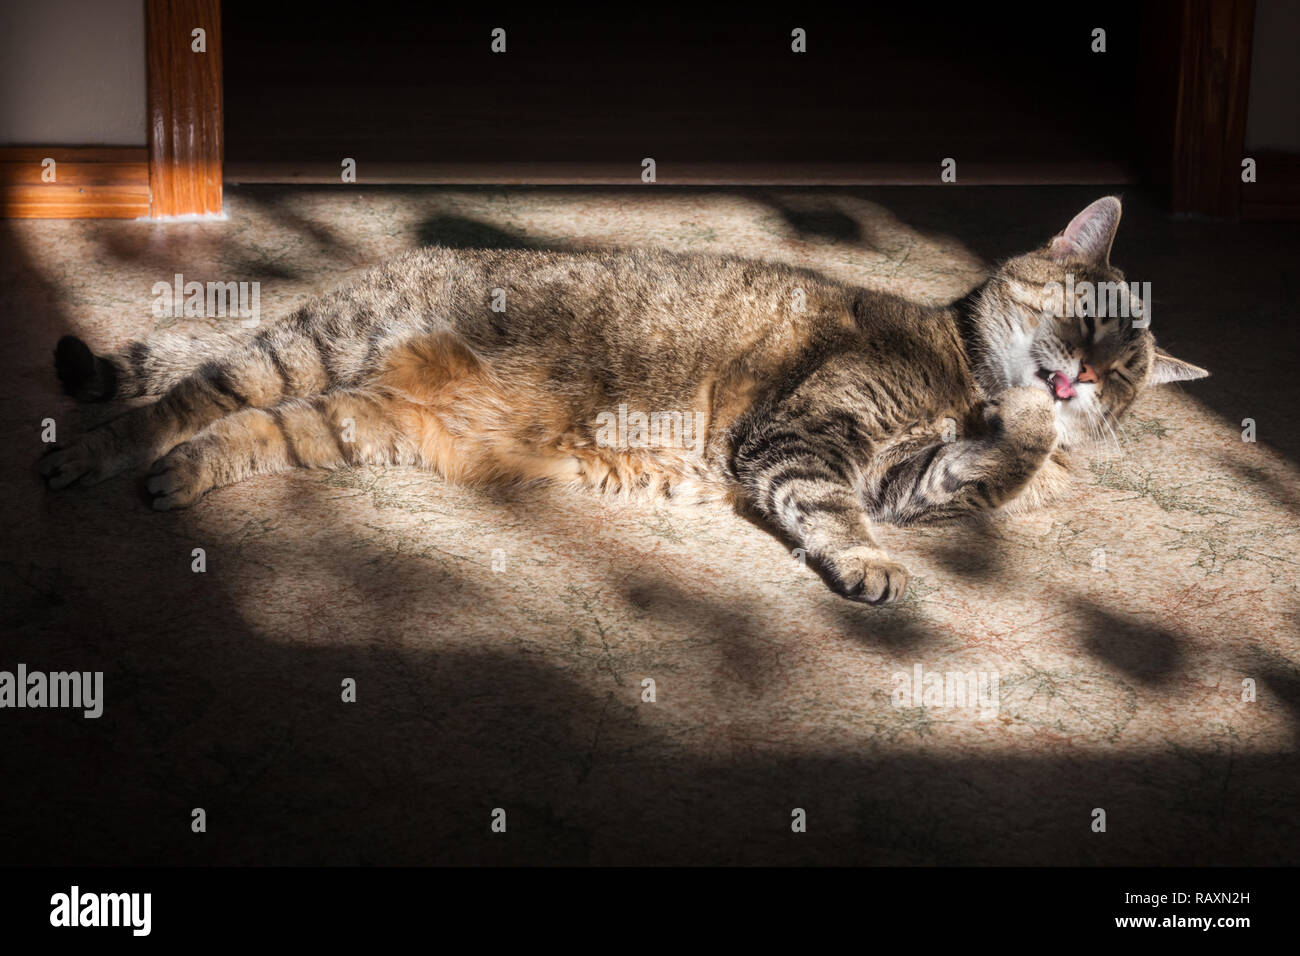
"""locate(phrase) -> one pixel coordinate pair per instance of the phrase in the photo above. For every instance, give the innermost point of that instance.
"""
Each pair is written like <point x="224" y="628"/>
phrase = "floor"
<point x="500" y="642"/>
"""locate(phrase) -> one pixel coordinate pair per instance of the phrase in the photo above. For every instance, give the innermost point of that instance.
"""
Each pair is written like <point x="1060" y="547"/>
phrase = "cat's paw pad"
<point x="178" y="479"/>
<point x="864" y="574"/>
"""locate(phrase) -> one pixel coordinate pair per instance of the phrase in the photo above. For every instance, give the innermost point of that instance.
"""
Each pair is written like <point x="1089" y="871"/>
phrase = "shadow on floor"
<point x="209" y="711"/>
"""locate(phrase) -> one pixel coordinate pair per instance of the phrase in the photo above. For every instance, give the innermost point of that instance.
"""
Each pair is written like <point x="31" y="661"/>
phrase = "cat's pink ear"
<point x="1089" y="234"/>
<point x="1169" y="369"/>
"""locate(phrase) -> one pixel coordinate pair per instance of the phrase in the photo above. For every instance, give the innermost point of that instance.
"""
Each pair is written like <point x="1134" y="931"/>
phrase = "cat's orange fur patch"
<point x="472" y="426"/>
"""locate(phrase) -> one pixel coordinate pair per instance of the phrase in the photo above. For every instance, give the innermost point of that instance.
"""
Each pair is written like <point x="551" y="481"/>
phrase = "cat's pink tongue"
<point x="1061" y="385"/>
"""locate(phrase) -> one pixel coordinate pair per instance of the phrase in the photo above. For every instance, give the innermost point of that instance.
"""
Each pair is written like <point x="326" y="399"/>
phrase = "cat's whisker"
<point x="1104" y="419"/>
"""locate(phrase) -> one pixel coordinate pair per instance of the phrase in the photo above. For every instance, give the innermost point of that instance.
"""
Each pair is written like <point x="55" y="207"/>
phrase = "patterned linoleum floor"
<point x="500" y="641"/>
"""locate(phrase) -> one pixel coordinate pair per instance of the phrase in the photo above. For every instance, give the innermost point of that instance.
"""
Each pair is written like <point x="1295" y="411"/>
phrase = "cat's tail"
<point x="146" y="367"/>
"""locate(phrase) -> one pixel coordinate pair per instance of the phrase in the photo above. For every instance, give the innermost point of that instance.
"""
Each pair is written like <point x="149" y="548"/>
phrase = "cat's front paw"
<point x="1028" y="415"/>
<point x="178" y="479"/>
<point x="865" y="574"/>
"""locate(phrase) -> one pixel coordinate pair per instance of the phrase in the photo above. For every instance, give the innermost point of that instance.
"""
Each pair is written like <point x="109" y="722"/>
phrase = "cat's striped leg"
<point x="802" y="480"/>
<point x="979" y="474"/>
<point x="140" y="435"/>
<point x="344" y="427"/>
<point x="304" y="353"/>
<point x="148" y="366"/>
<point x="278" y="362"/>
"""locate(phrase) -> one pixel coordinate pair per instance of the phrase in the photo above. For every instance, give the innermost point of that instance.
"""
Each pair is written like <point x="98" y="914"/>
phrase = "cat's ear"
<point x="1169" y="369"/>
<point x="1089" y="234"/>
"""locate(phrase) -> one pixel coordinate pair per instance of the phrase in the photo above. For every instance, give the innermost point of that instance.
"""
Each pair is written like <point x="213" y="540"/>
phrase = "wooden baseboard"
<point x="177" y="174"/>
<point x="87" y="182"/>
<point x="389" y="173"/>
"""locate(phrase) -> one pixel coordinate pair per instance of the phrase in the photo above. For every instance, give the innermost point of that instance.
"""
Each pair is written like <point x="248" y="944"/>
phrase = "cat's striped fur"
<point x="824" y="406"/>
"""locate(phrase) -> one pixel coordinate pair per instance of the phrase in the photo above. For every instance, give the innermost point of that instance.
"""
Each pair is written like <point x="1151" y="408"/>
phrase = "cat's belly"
<point x="613" y="458"/>
<point x="470" y="423"/>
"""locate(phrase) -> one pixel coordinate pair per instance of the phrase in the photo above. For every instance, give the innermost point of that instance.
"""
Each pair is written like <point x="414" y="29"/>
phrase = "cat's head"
<point x="1062" y="318"/>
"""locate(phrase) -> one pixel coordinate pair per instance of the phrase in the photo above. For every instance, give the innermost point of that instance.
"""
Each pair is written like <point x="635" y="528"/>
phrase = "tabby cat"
<point x="819" y="406"/>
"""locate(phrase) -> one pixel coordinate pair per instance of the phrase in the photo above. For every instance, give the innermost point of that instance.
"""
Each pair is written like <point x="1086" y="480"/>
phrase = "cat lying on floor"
<point x="821" y="406"/>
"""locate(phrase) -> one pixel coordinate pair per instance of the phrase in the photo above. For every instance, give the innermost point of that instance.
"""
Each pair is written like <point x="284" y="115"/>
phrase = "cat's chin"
<point x="1072" y="435"/>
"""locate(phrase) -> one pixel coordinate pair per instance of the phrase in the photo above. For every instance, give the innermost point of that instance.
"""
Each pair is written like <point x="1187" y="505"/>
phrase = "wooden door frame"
<point x="1193" y="94"/>
<point x="185" y="107"/>
<point x="178" y="174"/>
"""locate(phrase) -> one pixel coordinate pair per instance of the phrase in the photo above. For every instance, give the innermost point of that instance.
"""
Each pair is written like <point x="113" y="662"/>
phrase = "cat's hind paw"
<point x="865" y="574"/>
<point x="178" y="479"/>
<point x="84" y="461"/>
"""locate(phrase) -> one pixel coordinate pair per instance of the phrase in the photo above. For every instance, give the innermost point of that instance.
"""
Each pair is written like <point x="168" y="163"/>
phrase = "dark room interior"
<point x="1143" y="629"/>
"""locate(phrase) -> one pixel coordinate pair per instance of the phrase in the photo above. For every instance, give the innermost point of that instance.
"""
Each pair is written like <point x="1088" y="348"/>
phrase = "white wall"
<point x="1273" y="119"/>
<point x="72" y="73"/>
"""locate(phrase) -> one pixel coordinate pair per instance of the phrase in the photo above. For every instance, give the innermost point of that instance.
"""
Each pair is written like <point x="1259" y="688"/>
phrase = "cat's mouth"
<point x="1058" y="383"/>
